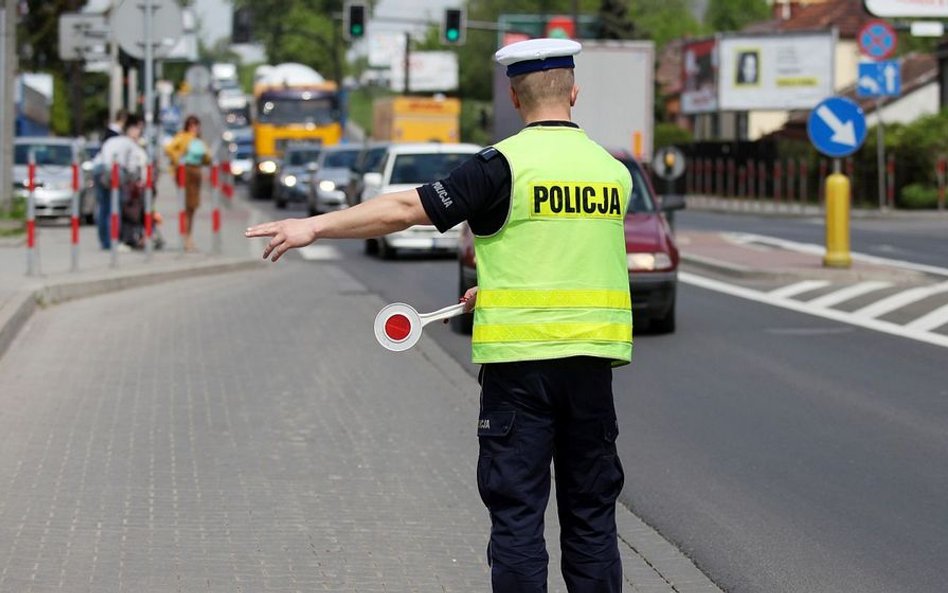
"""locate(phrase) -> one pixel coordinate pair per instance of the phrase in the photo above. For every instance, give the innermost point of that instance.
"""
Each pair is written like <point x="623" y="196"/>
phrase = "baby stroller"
<point x="132" y="231"/>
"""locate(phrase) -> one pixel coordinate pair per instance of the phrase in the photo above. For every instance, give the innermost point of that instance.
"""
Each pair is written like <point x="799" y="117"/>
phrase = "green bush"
<point x="668" y="134"/>
<point x="16" y="211"/>
<point x="918" y="196"/>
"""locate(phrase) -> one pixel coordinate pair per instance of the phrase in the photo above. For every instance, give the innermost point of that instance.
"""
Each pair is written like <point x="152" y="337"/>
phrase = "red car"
<point x="652" y="257"/>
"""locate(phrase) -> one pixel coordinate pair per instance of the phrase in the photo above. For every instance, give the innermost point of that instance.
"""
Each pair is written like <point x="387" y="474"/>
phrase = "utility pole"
<point x="8" y="14"/>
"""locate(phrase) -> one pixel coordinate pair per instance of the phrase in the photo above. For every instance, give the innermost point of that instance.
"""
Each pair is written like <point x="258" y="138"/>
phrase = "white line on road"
<point x="798" y="288"/>
<point x="899" y="300"/>
<point x="850" y="292"/>
<point x="320" y="253"/>
<point x="801" y="307"/>
<point x="930" y="321"/>
<point x="814" y="249"/>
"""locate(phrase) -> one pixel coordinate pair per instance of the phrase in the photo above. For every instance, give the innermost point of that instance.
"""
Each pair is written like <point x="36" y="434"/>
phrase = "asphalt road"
<point x="918" y="240"/>
<point x="782" y="452"/>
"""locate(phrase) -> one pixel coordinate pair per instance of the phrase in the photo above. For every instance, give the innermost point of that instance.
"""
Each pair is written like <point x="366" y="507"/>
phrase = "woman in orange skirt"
<point x="188" y="148"/>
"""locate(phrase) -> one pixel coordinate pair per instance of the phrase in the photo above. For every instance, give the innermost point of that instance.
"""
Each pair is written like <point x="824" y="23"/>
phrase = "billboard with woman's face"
<point x="775" y="72"/>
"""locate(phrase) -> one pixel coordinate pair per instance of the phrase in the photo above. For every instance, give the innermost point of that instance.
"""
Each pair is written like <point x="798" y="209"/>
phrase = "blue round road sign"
<point x="877" y="40"/>
<point x="837" y="127"/>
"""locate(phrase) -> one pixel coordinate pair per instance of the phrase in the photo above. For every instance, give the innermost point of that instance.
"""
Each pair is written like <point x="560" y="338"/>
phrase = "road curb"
<point x="17" y="311"/>
<point x="724" y="268"/>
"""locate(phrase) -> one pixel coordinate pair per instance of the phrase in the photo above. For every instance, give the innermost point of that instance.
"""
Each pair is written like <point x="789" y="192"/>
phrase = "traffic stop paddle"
<point x="398" y="326"/>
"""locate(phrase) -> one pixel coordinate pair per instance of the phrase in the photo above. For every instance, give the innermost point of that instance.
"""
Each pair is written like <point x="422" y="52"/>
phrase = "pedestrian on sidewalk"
<point x="132" y="160"/>
<point x="117" y="127"/>
<point x="189" y="149"/>
<point x="552" y="316"/>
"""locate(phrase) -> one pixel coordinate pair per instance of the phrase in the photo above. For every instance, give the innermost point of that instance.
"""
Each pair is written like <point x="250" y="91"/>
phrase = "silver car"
<point x="327" y="190"/>
<point x="54" y="158"/>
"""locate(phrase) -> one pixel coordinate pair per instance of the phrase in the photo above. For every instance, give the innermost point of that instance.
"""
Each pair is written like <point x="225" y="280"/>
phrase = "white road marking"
<point x="850" y="292"/>
<point x="798" y="288"/>
<point x="900" y="299"/>
<point x="320" y="253"/>
<point x="801" y="307"/>
<point x="820" y="250"/>
<point x="930" y="321"/>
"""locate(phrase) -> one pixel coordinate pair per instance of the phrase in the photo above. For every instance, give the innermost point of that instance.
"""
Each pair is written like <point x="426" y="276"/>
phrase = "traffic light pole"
<point x="407" y="87"/>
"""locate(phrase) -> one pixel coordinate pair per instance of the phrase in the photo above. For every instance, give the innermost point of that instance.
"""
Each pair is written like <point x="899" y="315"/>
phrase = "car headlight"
<point x="289" y="180"/>
<point x="236" y="170"/>
<point x="267" y="167"/>
<point x="326" y="185"/>
<point x="227" y="136"/>
<point x="647" y="262"/>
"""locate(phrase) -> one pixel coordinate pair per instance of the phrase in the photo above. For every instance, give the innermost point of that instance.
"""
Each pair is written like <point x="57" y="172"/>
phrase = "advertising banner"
<point x="430" y="71"/>
<point x="775" y="72"/>
<point x="699" y="67"/>
<point x="929" y="9"/>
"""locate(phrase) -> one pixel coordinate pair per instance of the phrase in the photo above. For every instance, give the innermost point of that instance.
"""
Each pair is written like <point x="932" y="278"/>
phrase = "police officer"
<point x="552" y="316"/>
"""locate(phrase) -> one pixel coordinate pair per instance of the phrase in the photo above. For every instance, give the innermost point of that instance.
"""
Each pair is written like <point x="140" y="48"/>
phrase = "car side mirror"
<point x="373" y="180"/>
<point x="672" y="202"/>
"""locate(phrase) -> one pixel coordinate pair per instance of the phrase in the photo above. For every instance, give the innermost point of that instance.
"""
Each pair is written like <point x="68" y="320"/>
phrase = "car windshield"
<point x="642" y="200"/>
<point x="343" y="159"/>
<point x="301" y="157"/>
<point x="297" y="111"/>
<point x="424" y="168"/>
<point x="45" y="154"/>
<point x="373" y="159"/>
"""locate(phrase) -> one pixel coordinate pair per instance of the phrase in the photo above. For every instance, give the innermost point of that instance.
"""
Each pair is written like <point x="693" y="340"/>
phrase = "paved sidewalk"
<point x="771" y="207"/>
<point x="54" y="281"/>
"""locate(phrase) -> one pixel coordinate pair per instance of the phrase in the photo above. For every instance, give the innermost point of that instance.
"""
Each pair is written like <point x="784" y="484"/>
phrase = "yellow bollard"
<point x="837" y="222"/>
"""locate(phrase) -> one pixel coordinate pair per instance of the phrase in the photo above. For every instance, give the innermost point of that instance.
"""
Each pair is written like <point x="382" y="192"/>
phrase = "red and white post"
<point x="227" y="183"/>
<point x="182" y="216"/>
<point x="890" y="181"/>
<point x="32" y="263"/>
<point x="114" y="214"/>
<point x="149" y="206"/>
<point x="74" y="219"/>
<point x="216" y="211"/>
<point x="941" y="166"/>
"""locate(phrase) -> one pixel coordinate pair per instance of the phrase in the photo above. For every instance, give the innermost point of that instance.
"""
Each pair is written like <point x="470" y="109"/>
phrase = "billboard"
<point x="932" y="9"/>
<point x="430" y="71"/>
<point x="775" y="72"/>
<point x="699" y="93"/>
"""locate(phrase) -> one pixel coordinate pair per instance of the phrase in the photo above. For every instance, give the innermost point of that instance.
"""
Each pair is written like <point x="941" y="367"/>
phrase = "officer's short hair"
<point x="544" y="87"/>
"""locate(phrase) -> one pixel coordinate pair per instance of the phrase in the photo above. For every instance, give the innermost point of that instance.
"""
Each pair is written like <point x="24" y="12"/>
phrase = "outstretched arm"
<point x="373" y="218"/>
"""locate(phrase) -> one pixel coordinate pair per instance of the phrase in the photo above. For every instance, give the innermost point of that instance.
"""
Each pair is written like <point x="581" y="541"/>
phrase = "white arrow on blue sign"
<point x="837" y="127"/>
<point x="879" y="79"/>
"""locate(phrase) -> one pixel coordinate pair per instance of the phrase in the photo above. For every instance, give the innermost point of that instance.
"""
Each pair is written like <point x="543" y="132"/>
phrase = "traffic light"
<point x="452" y="26"/>
<point x="354" y="17"/>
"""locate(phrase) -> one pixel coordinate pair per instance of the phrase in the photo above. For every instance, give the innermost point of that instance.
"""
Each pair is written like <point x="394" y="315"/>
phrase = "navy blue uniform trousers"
<point x="532" y="413"/>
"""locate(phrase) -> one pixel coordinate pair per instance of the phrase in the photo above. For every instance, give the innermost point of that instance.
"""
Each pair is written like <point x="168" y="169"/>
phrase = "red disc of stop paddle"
<point x="397" y="327"/>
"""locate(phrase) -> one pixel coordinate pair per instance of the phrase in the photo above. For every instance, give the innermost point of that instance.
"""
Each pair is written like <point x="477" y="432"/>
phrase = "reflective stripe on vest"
<point x="553" y="281"/>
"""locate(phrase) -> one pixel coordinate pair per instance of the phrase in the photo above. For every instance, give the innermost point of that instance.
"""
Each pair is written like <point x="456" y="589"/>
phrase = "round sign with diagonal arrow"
<point x="837" y="127"/>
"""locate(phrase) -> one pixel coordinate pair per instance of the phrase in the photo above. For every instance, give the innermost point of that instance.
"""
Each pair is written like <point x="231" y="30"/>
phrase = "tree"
<point x="614" y="22"/>
<point x="664" y="20"/>
<point x="301" y="31"/>
<point x="734" y="15"/>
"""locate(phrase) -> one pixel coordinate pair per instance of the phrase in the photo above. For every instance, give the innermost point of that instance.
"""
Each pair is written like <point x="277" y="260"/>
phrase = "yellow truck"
<point x="416" y="119"/>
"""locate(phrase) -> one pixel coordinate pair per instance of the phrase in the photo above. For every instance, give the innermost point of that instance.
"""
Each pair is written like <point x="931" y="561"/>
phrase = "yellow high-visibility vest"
<point x="553" y="281"/>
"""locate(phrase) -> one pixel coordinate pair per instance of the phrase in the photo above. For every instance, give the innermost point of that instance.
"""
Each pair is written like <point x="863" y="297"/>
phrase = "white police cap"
<point x="535" y="55"/>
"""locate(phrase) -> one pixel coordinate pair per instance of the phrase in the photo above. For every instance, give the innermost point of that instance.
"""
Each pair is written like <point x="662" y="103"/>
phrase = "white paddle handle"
<point x="451" y="311"/>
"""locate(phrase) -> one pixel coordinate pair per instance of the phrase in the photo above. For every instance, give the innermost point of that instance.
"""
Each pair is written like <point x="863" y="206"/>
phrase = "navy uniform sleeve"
<point x="477" y="191"/>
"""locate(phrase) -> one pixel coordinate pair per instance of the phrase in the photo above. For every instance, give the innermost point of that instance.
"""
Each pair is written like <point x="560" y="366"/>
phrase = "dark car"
<point x="651" y="254"/>
<point x="293" y="178"/>
<point x="370" y="160"/>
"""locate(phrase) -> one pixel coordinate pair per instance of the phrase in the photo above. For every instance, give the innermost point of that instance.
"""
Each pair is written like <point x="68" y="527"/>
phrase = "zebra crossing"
<point x="915" y="312"/>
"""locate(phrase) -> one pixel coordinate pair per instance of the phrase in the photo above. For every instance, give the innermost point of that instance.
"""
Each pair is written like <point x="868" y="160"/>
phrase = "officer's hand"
<point x="469" y="298"/>
<point x="287" y="234"/>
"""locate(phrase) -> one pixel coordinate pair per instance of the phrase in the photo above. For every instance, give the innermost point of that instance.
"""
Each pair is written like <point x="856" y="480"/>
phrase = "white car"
<point x="407" y="166"/>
